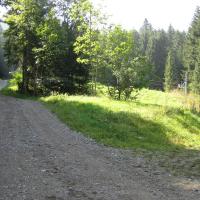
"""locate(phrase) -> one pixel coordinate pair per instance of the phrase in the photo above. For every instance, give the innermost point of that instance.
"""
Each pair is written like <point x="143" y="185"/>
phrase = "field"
<point x="156" y="122"/>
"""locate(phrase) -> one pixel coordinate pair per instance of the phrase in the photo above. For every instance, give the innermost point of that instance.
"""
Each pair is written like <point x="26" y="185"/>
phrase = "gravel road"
<point x="42" y="159"/>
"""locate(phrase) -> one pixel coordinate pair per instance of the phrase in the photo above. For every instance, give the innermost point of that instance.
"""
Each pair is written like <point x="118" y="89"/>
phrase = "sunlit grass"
<point x="156" y="121"/>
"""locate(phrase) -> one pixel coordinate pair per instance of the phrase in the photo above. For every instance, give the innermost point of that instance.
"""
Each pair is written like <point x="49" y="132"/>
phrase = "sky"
<point x="160" y="13"/>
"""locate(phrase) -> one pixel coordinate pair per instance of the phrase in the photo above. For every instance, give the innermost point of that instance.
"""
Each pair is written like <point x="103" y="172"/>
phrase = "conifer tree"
<point x="169" y="72"/>
<point x="192" y="52"/>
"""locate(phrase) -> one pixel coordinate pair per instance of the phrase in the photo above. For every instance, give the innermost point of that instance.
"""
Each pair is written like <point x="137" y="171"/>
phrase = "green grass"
<point x="157" y="122"/>
<point x="147" y="123"/>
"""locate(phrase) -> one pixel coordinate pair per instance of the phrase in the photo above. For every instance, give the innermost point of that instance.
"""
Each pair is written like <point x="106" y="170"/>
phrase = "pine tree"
<point x="169" y="72"/>
<point x="159" y="56"/>
<point x="196" y="76"/>
<point x="192" y="55"/>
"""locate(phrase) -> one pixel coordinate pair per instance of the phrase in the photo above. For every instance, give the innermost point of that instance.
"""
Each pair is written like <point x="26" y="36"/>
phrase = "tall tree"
<point x="129" y="70"/>
<point x="23" y="18"/>
<point x="146" y="38"/>
<point x="158" y="60"/>
<point x="169" y="73"/>
<point x="89" y="45"/>
<point x="192" y="52"/>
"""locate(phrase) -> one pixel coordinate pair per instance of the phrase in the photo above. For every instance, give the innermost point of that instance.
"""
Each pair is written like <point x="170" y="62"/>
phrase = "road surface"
<point x="42" y="159"/>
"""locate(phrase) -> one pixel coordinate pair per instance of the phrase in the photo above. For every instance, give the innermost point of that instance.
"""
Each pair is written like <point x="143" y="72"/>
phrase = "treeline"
<point x="64" y="45"/>
<point x="164" y="50"/>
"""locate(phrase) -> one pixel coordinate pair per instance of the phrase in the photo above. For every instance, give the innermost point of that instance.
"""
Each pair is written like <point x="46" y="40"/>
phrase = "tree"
<point x="74" y="75"/>
<point x="42" y="46"/>
<point x="169" y="72"/>
<point x="158" y="59"/>
<point x="128" y="69"/>
<point x="89" y="44"/>
<point x="146" y="35"/>
<point x="23" y="18"/>
<point x="192" y="50"/>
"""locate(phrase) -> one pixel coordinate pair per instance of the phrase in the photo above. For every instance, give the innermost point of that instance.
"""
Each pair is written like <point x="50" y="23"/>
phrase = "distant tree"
<point x="3" y="68"/>
<point x="128" y="69"/>
<point x="169" y="72"/>
<point x="196" y="78"/>
<point x="39" y="43"/>
<point x="146" y="38"/>
<point x="158" y="60"/>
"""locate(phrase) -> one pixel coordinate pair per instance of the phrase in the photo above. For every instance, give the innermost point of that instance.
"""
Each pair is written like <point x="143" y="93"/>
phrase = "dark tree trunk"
<point x="25" y="72"/>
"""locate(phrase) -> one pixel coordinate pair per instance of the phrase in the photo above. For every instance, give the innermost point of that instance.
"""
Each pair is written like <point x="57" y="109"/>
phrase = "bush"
<point x="16" y="79"/>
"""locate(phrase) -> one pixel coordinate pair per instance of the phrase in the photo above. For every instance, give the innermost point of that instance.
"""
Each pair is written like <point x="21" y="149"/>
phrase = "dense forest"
<point x="68" y="46"/>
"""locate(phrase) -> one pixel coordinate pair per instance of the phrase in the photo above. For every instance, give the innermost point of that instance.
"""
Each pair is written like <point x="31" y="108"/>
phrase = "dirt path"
<point x="41" y="159"/>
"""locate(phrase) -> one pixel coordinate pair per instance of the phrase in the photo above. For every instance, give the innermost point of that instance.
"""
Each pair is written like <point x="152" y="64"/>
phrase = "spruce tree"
<point x="169" y="72"/>
<point x="192" y="52"/>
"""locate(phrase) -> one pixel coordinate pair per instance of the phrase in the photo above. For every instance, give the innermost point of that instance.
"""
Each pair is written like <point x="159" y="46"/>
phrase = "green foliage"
<point x="196" y="77"/>
<point x="169" y="72"/>
<point x="41" y="46"/>
<point x="16" y="79"/>
<point x="62" y="45"/>
<point x="155" y="45"/>
<point x="149" y="123"/>
<point x="128" y="69"/>
<point x="89" y="45"/>
<point x="192" y="53"/>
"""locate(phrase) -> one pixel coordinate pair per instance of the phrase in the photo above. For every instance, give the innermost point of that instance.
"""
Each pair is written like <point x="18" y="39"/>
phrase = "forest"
<point x="68" y="46"/>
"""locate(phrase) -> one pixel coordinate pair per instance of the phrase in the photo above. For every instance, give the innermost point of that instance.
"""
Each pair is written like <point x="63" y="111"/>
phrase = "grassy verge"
<point x="128" y="124"/>
<point x="157" y="122"/>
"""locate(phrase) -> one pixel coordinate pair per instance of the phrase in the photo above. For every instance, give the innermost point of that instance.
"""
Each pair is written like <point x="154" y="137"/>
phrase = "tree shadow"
<point x="117" y="129"/>
<point x="130" y="130"/>
<point x="190" y="121"/>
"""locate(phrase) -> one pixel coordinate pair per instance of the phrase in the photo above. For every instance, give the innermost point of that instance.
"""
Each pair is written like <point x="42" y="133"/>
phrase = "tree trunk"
<point x="96" y="81"/>
<point x="25" y="72"/>
<point x="35" y="79"/>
